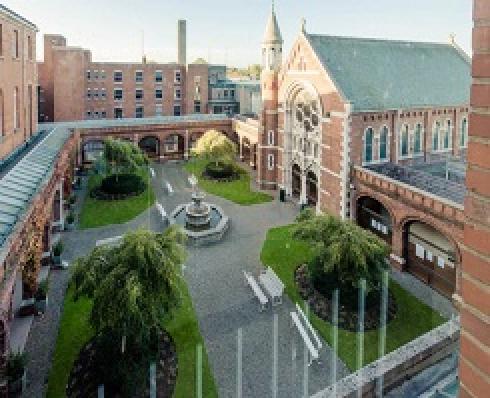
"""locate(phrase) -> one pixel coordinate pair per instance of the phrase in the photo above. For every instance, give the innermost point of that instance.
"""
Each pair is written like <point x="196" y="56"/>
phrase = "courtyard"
<point x="219" y="311"/>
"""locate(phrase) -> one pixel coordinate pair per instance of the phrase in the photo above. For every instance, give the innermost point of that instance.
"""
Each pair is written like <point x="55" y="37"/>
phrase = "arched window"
<point x="447" y="134"/>
<point x="368" y="145"/>
<point x="464" y="133"/>
<point x="270" y="138"/>
<point x="404" y="141"/>
<point x="417" y="147"/>
<point x="435" y="136"/>
<point x="383" y="143"/>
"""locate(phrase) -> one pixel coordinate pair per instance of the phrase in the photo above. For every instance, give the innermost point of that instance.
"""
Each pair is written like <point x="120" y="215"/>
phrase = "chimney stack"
<point x="181" y="42"/>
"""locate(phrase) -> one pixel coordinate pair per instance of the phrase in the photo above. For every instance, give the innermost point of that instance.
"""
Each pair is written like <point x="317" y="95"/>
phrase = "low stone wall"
<point x="399" y="365"/>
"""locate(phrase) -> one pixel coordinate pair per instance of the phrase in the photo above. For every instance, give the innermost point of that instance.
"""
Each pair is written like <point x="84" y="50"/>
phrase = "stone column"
<point x="302" y="197"/>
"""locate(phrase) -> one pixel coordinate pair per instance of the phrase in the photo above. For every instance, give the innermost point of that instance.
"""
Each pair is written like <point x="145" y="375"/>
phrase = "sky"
<point x="230" y="31"/>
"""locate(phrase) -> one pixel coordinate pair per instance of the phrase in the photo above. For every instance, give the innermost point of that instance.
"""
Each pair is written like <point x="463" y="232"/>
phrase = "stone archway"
<point x="373" y="215"/>
<point x="296" y="181"/>
<point x="431" y="256"/>
<point x="311" y="188"/>
<point x="174" y="146"/>
<point x="150" y="145"/>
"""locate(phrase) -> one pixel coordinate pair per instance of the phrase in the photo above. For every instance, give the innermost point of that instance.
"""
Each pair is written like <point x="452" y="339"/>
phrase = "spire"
<point x="272" y="32"/>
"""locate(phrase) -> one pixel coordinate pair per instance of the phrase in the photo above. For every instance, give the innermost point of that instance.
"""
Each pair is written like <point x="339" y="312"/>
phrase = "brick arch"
<point x="380" y="199"/>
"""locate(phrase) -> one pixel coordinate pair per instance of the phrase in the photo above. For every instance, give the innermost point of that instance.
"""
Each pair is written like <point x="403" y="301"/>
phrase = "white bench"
<point x="312" y="350"/>
<point x="272" y="284"/>
<point x="152" y="172"/>
<point x="257" y="291"/>
<point x="162" y="212"/>
<point x="169" y="187"/>
<point x="109" y="241"/>
<point x="313" y="332"/>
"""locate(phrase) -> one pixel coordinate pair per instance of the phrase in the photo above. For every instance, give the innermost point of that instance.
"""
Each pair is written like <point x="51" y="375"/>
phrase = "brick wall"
<point x="474" y="367"/>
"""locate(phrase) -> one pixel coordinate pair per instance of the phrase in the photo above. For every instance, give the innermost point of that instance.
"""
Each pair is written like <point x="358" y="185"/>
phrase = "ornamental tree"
<point x="123" y="156"/>
<point x="215" y="147"/>
<point x="343" y="254"/>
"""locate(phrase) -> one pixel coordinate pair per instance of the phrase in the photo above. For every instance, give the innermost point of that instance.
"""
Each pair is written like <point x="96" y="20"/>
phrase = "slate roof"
<point x="375" y="74"/>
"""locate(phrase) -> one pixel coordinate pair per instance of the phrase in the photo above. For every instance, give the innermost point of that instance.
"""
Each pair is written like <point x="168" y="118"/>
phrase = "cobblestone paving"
<point x="222" y="301"/>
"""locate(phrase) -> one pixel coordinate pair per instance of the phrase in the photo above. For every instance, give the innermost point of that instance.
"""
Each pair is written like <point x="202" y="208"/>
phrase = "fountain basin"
<point x="201" y="228"/>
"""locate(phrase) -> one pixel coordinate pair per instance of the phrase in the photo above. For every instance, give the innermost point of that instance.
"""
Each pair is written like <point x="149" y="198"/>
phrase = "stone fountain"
<point x="202" y="222"/>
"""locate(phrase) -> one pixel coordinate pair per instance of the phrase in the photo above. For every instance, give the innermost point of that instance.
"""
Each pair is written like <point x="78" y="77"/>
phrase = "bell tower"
<point x="267" y="156"/>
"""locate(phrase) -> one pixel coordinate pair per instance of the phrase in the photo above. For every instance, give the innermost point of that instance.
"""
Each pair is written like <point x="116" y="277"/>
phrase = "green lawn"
<point x="75" y="331"/>
<point x="238" y="191"/>
<point x="413" y="318"/>
<point x="96" y="213"/>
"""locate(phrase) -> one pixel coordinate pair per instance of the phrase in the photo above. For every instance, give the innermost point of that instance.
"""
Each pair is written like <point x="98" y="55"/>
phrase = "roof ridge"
<point x="377" y="39"/>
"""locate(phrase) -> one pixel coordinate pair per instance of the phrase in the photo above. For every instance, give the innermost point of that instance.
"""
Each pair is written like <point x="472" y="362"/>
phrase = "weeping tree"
<point x="135" y="289"/>
<point x="215" y="147"/>
<point x="123" y="157"/>
<point x="343" y="253"/>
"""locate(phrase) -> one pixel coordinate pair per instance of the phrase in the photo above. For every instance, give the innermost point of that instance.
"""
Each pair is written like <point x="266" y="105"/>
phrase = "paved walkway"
<point x="222" y="301"/>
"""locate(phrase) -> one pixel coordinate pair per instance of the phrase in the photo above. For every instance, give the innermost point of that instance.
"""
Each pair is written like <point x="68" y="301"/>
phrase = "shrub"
<point x="70" y="219"/>
<point x="220" y="170"/>
<point x="42" y="290"/>
<point x="16" y="364"/>
<point x="122" y="184"/>
<point x="58" y="249"/>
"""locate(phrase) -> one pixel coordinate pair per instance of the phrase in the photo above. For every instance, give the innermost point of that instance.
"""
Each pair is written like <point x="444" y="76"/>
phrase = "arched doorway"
<point x="246" y="150"/>
<point x="311" y="188"/>
<point x="174" y="146"/>
<point x="430" y="256"/>
<point x="92" y="150"/>
<point x="150" y="145"/>
<point x="373" y="216"/>
<point x="296" y="181"/>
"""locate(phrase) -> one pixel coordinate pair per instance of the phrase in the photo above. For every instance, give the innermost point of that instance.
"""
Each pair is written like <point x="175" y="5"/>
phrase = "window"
<point x="89" y="94"/>
<point x="232" y="93"/>
<point x="404" y="141"/>
<point x="96" y="114"/>
<point x="118" y="113"/>
<point x="118" y="94"/>
<point x="29" y="48"/>
<point x="139" y="112"/>
<point x="2" y="123"/>
<point x="368" y="145"/>
<point x="15" y="44"/>
<point x="103" y="93"/>
<point x="176" y="110"/>
<point x="138" y="76"/>
<point x="102" y="75"/>
<point x="159" y="110"/>
<point x="96" y="93"/>
<point x="435" y="136"/>
<point x="464" y="133"/>
<point x="88" y="75"/>
<point x="103" y="114"/>
<point x="197" y="106"/>
<point x="270" y="138"/>
<point x="1" y="40"/>
<point x="383" y="143"/>
<point x="139" y="94"/>
<point x="96" y="74"/>
<point x="118" y="76"/>
<point x="225" y="93"/>
<point x="158" y="93"/>
<point x="417" y="148"/>
<point x="447" y="135"/>
<point x="177" y="76"/>
<point x="177" y="93"/>
<point x="158" y="76"/>
<point x="16" y="108"/>
<point x="270" y="162"/>
<point x="88" y="114"/>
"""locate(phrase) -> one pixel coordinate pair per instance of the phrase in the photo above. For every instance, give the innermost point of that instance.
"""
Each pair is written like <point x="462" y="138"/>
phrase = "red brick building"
<point x="18" y="81"/>
<point x="474" y="364"/>
<point x="373" y="130"/>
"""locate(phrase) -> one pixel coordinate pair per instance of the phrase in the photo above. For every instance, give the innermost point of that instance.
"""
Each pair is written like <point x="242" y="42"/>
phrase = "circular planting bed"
<point x="321" y="305"/>
<point x="121" y="186"/>
<point x="86" y="376"/>
<point x="221" y="172"/>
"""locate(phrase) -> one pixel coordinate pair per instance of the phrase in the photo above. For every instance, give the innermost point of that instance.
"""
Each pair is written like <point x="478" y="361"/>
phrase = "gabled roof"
<point x="272" y="32"/>
<point x="375" y="74"/>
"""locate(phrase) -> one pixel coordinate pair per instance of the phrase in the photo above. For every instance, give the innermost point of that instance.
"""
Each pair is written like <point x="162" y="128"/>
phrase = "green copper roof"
<point x="378" y="74"/>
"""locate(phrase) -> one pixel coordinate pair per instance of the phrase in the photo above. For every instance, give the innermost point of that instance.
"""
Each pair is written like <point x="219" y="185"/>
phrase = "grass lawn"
<point x="414" y="318"/>
<point x="238" y="191"/>
<point x="75" y="331"/>
<point x="96" y="213"/>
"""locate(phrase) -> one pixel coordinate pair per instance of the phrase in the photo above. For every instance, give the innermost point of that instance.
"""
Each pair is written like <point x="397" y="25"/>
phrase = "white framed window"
<point x="103" y="114"/>
<point x="464" y="133"/>
<point x="140" y="112"/>
<point x="138" y="76"/>
<point x="118" y="94"/>
<point x="177" y="93"/>
<point x="139" y="94"/>
<point x="88" y="114"/>
<point x="270" y="137"/>
<point x="177" y="76"/>
<point x="270" y="161"/>
<point x="158" y="110"/>
<point x="118" y="76"/>
<point x="118" y="113"/>
<point x="102" y="74"/>
<point x="89" y="93"/>
<point x="158" y="76"/>
<point x="88" y="74"/>
<point x="158" y="93"/>
<point x="103" y="93"/>
<point x="177" y="110"/>
<point x="96" y="93"/>
<point x="96" y="74"/>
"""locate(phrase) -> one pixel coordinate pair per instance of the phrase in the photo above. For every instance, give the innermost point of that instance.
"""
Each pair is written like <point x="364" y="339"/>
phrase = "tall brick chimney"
<point x="474" y="364"/>
<point x="181" y="42"/>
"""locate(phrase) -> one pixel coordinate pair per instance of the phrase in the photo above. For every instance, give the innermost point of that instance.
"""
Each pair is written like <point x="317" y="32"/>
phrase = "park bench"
<point x="307" y="322"/>
<point x="114" y="240"/>
<point x="162" y="212"/>
<point x="313" y="351"/>
<point x="272" y="284"/>
<point x="169" y="187"/>
<point x="256" y="290"/>
<point x="152" y="172"/>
